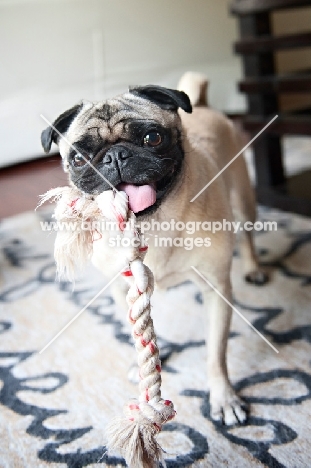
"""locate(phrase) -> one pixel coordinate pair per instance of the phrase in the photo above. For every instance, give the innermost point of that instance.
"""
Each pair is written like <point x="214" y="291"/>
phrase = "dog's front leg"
<point x="225" y="405"/>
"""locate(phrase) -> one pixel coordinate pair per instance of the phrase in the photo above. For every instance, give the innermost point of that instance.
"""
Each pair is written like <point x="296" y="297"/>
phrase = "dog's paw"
<point x="257" y="277"/>
<point x="230" y="412"/>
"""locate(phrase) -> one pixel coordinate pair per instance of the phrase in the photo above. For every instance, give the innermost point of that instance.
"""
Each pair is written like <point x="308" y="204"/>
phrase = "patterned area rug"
<point x="55" y="405"/>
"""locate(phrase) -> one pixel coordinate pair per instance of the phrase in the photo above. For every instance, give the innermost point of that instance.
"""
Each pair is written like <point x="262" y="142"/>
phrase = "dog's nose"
<point x="116" y="154"/>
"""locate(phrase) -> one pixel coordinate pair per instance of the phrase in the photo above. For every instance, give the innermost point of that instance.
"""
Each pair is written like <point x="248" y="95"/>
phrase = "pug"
<point x="162" y="149"/>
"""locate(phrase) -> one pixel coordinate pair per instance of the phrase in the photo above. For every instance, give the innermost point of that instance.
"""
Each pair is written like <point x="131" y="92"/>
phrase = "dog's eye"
<point x="78" y="160"/>
<point x="152" y="139"/>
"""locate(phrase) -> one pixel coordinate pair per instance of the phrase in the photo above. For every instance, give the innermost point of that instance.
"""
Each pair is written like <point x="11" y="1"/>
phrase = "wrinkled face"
<point x="130" y="142"/>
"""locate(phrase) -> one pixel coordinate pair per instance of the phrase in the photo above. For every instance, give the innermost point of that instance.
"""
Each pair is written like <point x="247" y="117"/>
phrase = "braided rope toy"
<point x="135" y="435"/>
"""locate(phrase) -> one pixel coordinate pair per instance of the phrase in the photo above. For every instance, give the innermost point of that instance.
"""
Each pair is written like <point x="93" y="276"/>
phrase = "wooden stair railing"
<point x="263" y="86"/>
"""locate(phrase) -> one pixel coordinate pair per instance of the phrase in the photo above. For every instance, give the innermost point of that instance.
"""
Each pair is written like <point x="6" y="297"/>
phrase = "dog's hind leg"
<point x="253" y="273"/>
<point x="244" y="210"/>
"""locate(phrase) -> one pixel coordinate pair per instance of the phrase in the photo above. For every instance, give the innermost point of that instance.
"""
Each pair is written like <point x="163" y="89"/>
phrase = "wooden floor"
<point x="21" y="185"/>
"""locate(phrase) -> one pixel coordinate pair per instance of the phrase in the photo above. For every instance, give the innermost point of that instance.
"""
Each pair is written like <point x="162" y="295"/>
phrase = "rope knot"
<point x="156" y="414"/>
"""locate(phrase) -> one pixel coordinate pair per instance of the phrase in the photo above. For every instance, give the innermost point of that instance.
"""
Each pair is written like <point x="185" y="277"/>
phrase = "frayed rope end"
<point x="135" y="441"/>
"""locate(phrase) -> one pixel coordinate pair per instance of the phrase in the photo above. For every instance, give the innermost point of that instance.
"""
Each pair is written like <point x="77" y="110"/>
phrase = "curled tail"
<point x="195" y="85"/>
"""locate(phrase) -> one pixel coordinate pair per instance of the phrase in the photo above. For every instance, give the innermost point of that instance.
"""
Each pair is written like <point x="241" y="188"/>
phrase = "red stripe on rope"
<point x="73" y="202"/>
<point x="127" y="273"/>
<point x="121" y="222"/>
<point x="143" y="342"/>
<point x="134" y="407"/>
<point x="119" y="218"/>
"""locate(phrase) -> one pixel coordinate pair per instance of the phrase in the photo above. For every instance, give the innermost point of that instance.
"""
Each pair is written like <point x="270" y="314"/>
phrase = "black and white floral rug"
<point x="54" y="406"/>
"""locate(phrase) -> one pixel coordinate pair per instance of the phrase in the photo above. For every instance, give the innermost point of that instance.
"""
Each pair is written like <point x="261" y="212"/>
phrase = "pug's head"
<point x="131" y="143"/>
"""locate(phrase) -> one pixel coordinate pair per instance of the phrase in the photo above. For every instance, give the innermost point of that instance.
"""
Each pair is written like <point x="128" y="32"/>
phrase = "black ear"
<point x="166" y="98"/>
<point x="61" y="124"/>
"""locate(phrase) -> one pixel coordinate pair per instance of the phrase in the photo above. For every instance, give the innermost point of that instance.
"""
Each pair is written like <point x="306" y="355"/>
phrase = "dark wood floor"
<point x="21" y="185"/>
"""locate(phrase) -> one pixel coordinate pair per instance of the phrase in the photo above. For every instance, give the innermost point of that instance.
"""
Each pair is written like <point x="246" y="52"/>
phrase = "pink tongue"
<point x="140" y="196"/>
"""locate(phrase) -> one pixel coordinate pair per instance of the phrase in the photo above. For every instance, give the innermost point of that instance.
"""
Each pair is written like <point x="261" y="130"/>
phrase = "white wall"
<point x="55" y="52"/>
